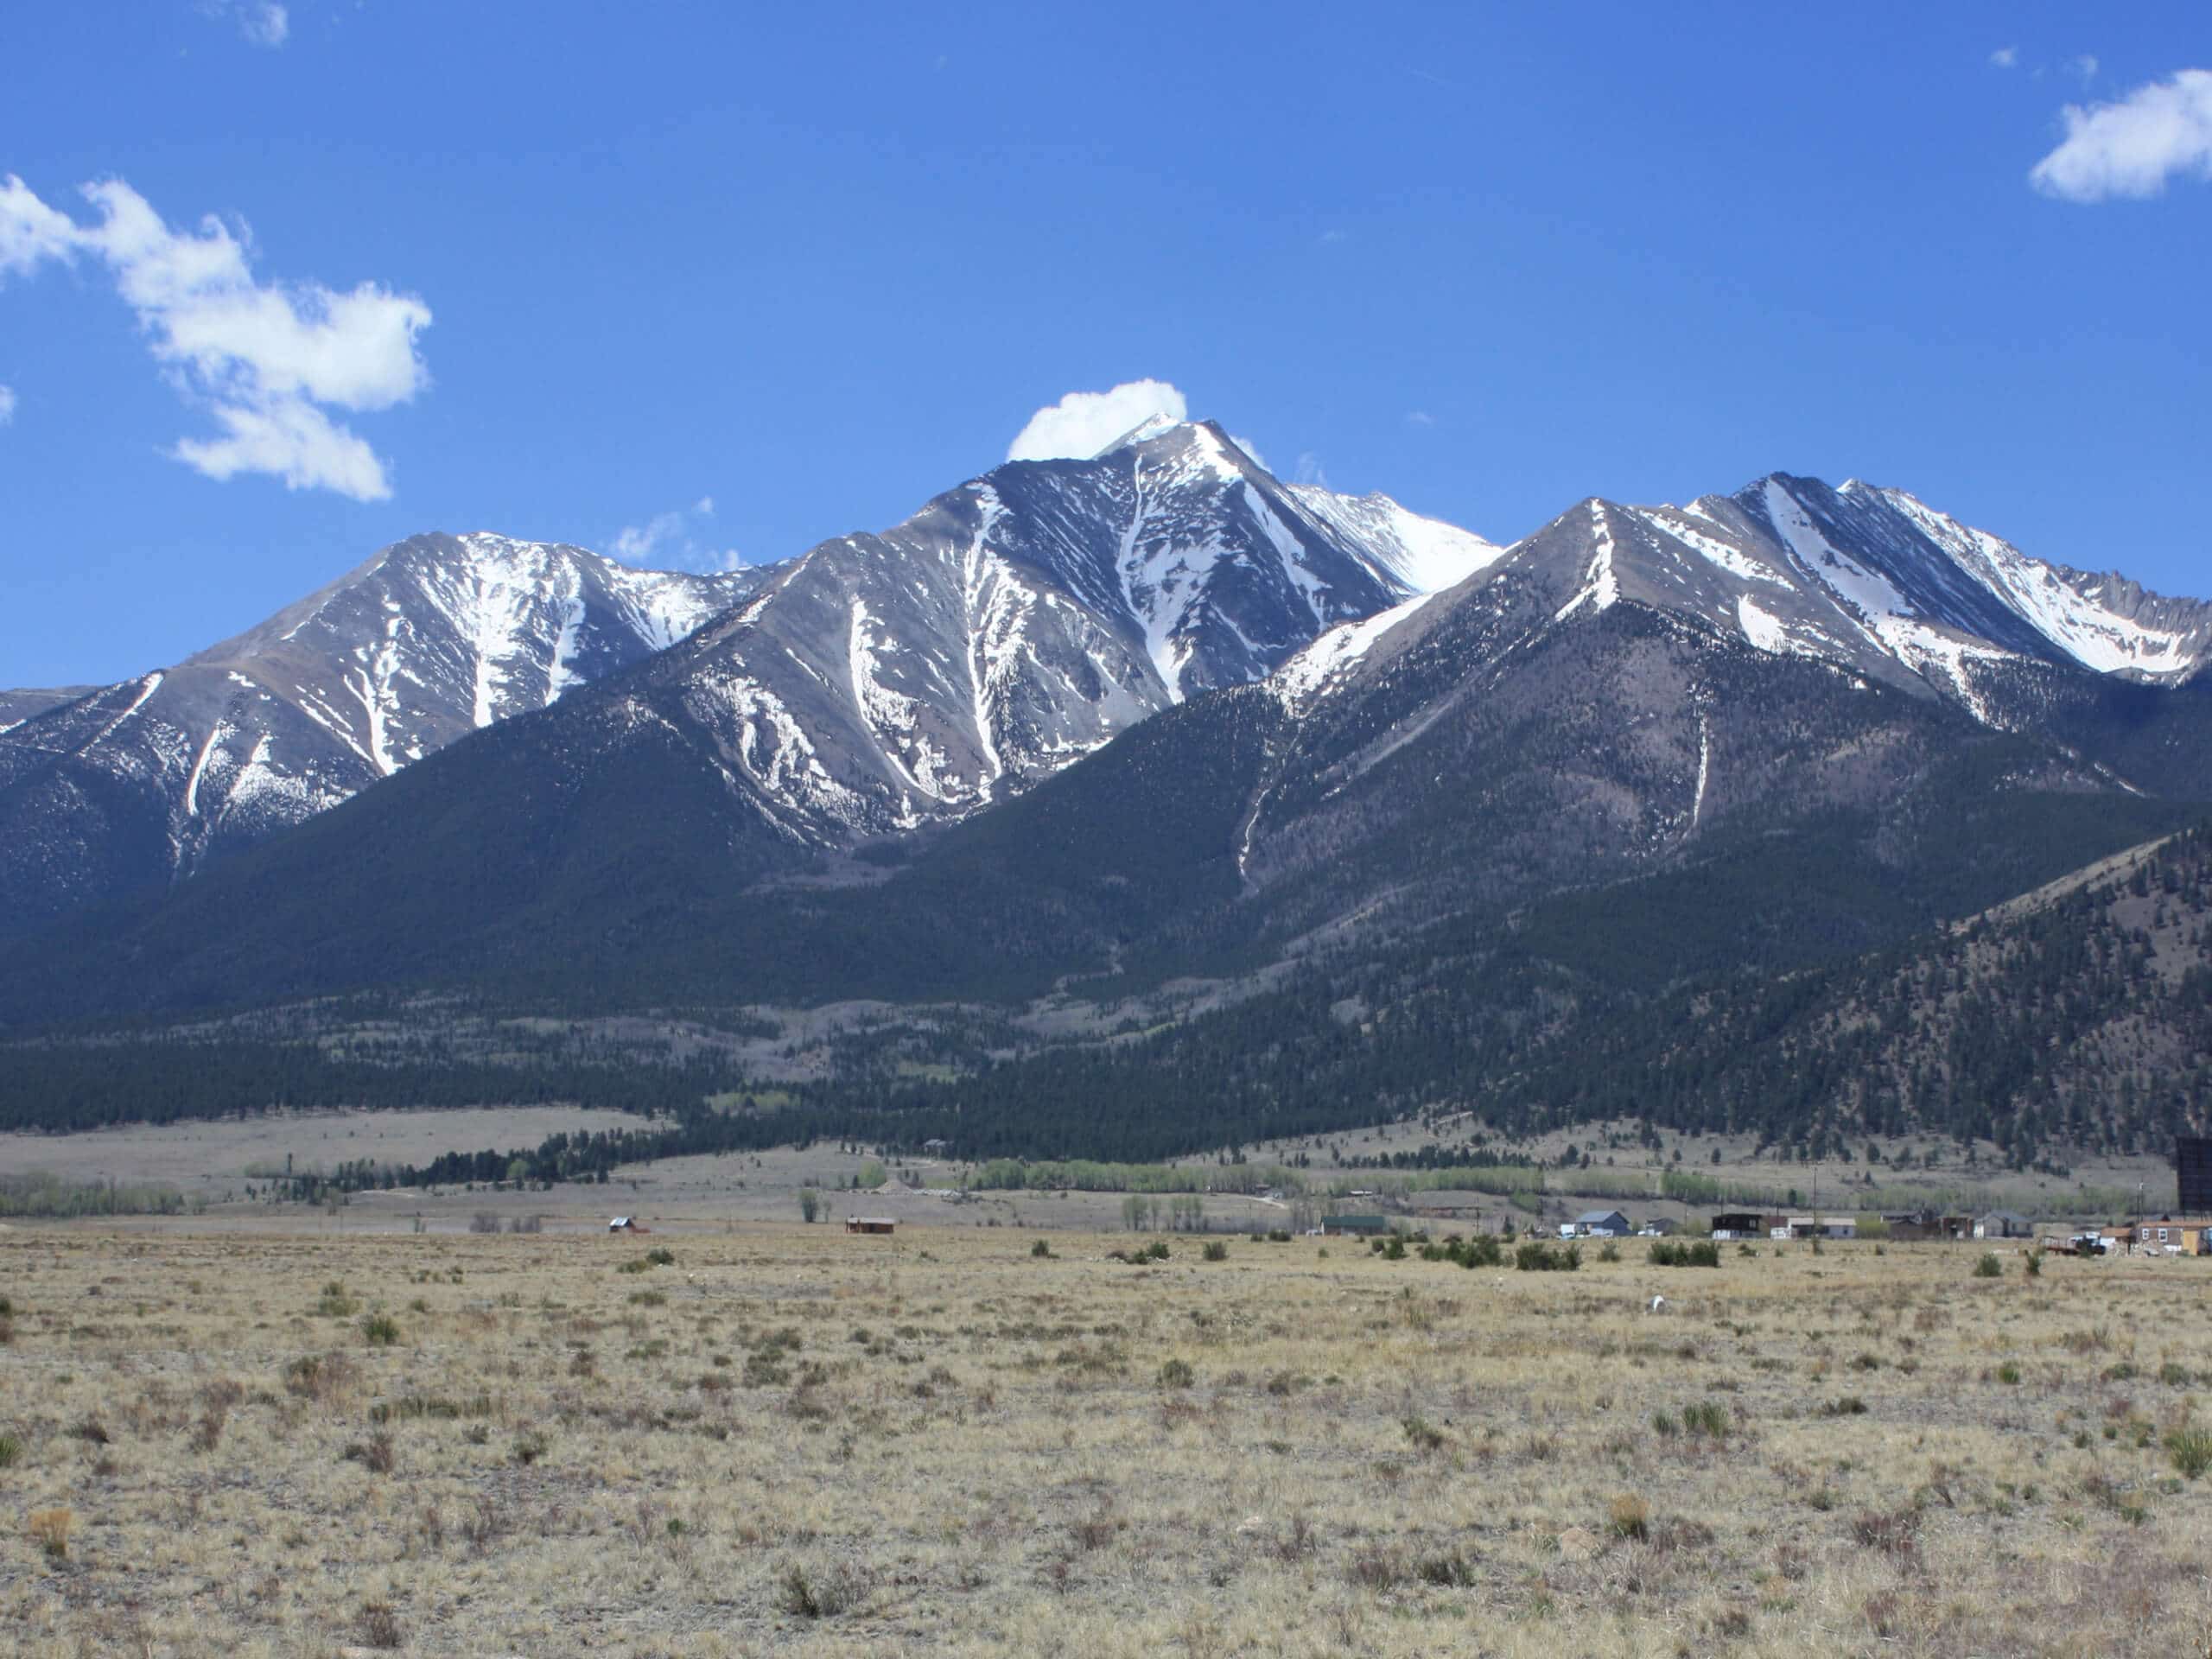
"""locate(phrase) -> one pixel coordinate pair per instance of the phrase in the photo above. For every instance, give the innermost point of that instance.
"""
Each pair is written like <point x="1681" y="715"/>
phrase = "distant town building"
<point x="1361" y="1226"/>
<point x="869" y="1224"/>
<point x="1602" y="1223"/>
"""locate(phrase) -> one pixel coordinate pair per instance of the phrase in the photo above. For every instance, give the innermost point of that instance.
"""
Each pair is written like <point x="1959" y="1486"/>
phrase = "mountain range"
<point x="1419" y="810"/>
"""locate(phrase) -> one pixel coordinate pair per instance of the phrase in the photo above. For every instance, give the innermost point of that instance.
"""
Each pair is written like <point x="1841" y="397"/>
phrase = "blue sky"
<point x="573" y="272"/>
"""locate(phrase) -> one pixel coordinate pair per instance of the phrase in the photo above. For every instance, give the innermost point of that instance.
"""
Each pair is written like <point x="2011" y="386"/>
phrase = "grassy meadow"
<point x="783" y="1440"/>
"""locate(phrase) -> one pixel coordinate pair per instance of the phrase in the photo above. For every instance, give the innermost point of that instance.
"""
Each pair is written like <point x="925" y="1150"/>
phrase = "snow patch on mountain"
<point x="1601" y="587"/>
<point x="1421" y="555"/>
<point x="1324" y="664"/>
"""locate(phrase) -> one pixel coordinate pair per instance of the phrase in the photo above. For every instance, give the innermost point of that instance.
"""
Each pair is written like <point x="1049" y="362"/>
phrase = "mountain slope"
<point x="16" y="707"/>
<point x="147" y="781"/>
<point x="1569" y="721"/>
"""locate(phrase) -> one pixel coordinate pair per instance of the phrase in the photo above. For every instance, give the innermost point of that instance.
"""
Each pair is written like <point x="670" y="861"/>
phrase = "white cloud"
<point x="7" y="404"/>
<point x="1420" y="417"/>
<point x="2160" y="131"/>
<point x="1084" y="422"/>
<point x="265" y="358"/>
<point x="667" y="542"/>
<point x="1310" y="470"/>
<point x="1251" y="449"/>
<point x="261" y="22"/>
<point x="30" y="232"/>
<point x="2004" y="57"/>
<point x="2085" y="66"/>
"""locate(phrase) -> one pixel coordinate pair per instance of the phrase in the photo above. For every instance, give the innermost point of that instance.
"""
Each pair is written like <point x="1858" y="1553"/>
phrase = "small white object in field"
<point x="1657" y="1303"/>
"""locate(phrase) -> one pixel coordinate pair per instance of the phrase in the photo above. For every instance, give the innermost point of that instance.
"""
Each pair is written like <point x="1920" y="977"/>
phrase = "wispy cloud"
<point x="267" y="360"/>
<point x="7" y="404"/>
<point x="2004" y="57"/>
<point x="1310" y="470"/>
<point x="1084" y="422"/>
<point x="2132" y="147"/>
<point x="1420" y="417"/>
<point x="676" y="540"/>
<point x="2084" y="66"/>
<point x="261" y="22"/>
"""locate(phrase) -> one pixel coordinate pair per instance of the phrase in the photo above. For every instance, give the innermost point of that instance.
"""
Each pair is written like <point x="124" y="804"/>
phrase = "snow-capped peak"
<point x="1153" y="426"/>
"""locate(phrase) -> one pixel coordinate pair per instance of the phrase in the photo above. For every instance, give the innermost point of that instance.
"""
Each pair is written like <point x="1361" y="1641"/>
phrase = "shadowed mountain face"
<point x="143" y="783"/>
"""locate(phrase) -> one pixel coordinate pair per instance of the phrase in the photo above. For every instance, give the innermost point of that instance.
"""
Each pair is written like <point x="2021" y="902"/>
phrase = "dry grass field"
<point x="791" y="1440"/>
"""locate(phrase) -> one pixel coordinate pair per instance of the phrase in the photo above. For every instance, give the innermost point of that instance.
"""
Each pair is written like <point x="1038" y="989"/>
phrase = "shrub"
<point x="377" y="1625"/>
<point x="1216" y="1250"/>
<point x="1629" y="1516"/>
<point x="335" y="1303"/>
<point x="2190" y="1450"/>
<point x="1989" y="1267"/>
<point x="1608" y="1251"/>
<point x="1177" y="1373"/>
<point x="660" y="1256"/>
<point x="1376" y="1568"/>
<point x="1421" y="1434"/>
<point x="11" y="1450"/>
<point x="1897" y="1533"/>
<point x="1684" y="1252"/>
<point x="2034" y="1264"/>
<point x="1849" y="1406"/>
<point x="378" y="1456"/>
<point x="484" y="1221"/>
<point x="809" y="1203"/>
<point x="1040" y="1249"/>
<point x="530" y="1447"/>
<point x="1448" y="1572"/>
<point x="1094" y="1532"/>
<point x="381" y="1329"/>
<point x="50" y="1531"/>
<point x="819" y="1592"/>
<point x="1536" y="1256"/>
<point x="1706" y="1417"/>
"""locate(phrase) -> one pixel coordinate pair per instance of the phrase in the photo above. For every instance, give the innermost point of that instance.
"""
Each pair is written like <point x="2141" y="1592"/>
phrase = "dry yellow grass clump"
<point x="790" y="1440"/>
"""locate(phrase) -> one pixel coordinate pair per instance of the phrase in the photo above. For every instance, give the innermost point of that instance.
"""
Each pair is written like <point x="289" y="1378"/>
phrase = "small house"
<point x="2176" y="1238"/>
<point x="2002" y="1224"/>
<point x="1819" y="1227"/>
<point x="1739" y="1223"/>
<point x="1661" y="1227"/>
<point x="869" y="1224"/>
<point x="2118" y="1240"/>
<point x="1602" y="1223"/>
<point x="1357" y="1226"/>
<point x="627" y="1225"/>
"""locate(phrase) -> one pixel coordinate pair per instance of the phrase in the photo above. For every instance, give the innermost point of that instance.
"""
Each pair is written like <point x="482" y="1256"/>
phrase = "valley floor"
<point x="789" y="1439"/>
